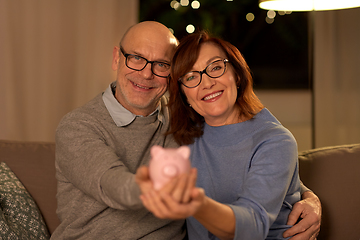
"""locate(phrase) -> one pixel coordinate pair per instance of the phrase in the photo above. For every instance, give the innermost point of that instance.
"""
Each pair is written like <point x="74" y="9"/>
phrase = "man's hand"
<point x="142" y="178"/>
<point x="163" y="206"/>
<point x="309" y="210"/>
<point x="178" y="199"/>
<point x="179" y="187"/>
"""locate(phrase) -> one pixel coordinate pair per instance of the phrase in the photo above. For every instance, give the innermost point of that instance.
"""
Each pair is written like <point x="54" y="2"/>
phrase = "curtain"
<point x="55" y="56"/>
<point x="337" y="77"/>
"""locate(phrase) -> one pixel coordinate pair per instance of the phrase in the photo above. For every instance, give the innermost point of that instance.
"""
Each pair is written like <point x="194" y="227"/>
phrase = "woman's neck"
<point x="235" y="117"/>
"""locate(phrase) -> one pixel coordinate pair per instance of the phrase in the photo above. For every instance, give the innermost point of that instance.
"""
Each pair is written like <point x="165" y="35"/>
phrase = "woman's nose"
<point x="207" y="82"/>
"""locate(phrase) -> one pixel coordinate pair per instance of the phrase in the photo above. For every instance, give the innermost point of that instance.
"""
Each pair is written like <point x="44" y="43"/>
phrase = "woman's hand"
<point x="178" y="199"/>
<point x="180" y="187"/>
<point x="165" y="206"/>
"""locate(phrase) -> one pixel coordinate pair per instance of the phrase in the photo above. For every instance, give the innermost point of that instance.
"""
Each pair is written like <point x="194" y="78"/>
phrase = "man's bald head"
<point x="150" y="30"/>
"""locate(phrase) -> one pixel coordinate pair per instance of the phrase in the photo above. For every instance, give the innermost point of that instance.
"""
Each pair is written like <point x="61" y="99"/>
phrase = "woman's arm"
<point x="218" y="218"/>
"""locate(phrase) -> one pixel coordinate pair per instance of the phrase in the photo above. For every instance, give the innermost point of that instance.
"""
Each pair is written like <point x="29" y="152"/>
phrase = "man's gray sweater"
<point x="95" y="166"/>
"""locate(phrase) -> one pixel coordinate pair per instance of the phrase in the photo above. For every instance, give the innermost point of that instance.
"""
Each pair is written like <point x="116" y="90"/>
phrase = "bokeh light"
<point x="175" y="4"/>
<point x="184" y="3"/>
<point x="190" y="28"/>
<point x="271" y="14"/>
<point x="269" y="20"/>
<point x="250" y="17"/>
<point x="195" y="4"/>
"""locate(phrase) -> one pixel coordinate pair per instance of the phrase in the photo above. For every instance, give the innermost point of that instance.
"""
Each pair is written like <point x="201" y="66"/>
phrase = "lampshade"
<point x="307" y="5"/>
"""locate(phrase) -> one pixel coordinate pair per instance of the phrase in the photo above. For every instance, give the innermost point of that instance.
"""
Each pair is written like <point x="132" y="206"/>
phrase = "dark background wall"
<point x="276" y="52"/>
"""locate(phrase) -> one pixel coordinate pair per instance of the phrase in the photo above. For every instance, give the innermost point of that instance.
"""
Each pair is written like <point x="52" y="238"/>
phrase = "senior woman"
<point x="246" y="160"/>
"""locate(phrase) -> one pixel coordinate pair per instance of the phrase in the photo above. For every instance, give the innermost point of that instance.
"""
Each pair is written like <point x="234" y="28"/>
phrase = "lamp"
<point x="307" y="5"/>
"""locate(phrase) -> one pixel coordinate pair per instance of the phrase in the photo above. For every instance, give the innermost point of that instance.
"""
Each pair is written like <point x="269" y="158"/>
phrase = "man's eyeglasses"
<point x="137" y="63"/>
<point x="215" y="69"/>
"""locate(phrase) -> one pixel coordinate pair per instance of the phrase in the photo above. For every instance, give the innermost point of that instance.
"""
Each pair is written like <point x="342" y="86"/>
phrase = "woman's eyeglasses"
<point x="215" y="69"/>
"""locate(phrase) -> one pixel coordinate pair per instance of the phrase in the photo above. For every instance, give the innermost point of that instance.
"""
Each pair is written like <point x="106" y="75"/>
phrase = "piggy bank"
<point x="168" y="163"/>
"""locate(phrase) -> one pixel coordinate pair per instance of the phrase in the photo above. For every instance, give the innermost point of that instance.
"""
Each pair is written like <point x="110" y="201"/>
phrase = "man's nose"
<point x="147" y="72"/>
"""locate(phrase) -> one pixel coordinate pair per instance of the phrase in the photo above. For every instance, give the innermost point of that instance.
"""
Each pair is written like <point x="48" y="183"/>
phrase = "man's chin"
<point x="142" y="108"/>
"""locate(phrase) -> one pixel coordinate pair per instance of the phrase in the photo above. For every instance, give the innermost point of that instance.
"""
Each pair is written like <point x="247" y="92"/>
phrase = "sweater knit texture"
<point x="95" y="166"/>
<point x="251" y="166"/>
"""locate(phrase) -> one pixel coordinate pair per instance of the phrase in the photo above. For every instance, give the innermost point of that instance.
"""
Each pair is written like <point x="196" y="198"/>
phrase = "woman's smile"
<point x="212" y="96"/>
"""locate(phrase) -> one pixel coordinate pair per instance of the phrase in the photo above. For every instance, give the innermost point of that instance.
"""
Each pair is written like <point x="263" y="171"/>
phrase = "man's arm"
<point x="84" y="158"/>
<point x="309" y="211"/>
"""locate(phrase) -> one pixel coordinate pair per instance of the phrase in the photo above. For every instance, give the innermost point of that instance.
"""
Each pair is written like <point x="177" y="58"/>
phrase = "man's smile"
<point x="141" y="86"/>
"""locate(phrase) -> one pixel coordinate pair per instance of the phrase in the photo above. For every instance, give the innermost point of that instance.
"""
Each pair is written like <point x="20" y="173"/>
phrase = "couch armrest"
<point x="34" y="165"/>
<point x="333" y="174"/>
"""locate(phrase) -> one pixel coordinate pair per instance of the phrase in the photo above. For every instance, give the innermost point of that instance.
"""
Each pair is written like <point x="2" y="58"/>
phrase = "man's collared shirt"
<point x="121" y="116"/>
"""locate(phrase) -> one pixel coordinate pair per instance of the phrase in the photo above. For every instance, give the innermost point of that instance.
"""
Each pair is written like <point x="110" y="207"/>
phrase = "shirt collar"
<point x="120" y="115"/>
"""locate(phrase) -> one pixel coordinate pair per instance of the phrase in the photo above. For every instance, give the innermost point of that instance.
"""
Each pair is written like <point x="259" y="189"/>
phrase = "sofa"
<point x="331" y="172"/>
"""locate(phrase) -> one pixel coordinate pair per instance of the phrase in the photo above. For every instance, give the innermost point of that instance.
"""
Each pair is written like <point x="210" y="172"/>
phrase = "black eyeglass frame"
<point x="204" y="71"/>
<point x="147" y="61"/>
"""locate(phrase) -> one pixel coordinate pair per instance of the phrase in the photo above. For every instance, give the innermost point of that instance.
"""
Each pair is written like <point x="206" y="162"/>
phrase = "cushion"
<point x="20" y="217"/>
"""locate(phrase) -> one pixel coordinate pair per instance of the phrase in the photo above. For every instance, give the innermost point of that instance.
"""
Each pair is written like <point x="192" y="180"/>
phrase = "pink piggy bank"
<point x="168" y="163"/>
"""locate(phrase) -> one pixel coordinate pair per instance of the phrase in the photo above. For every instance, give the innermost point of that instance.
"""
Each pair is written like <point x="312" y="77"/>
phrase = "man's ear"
<point x="116" y="58"/>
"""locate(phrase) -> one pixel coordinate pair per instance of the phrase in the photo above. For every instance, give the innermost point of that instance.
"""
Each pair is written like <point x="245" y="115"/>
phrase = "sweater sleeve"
<point x="303" y="188"/>
<point x="85" y="159"/>
<point x="270" y="188"/>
